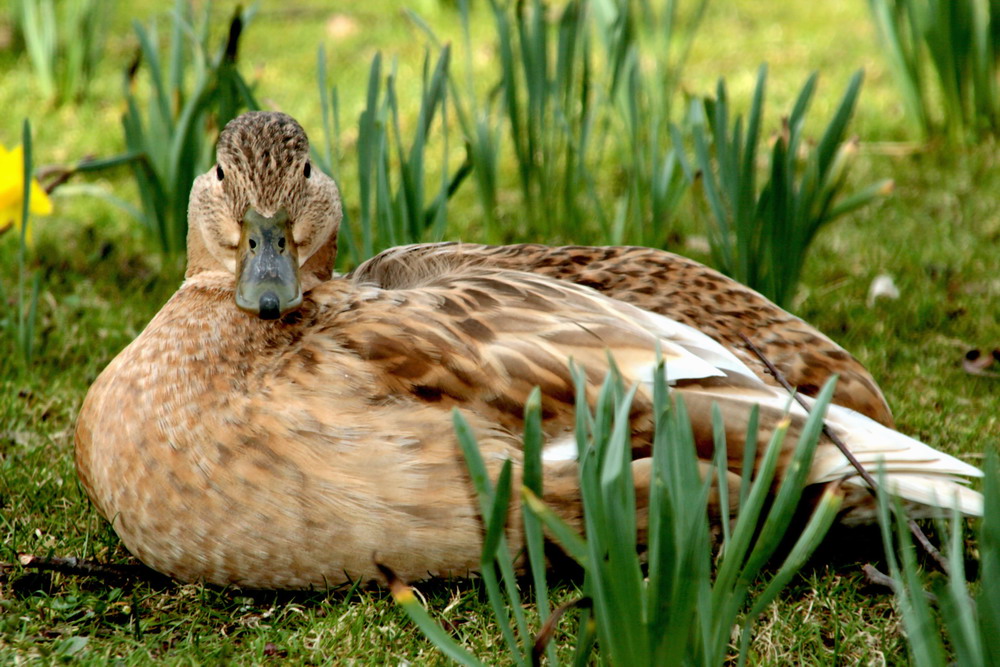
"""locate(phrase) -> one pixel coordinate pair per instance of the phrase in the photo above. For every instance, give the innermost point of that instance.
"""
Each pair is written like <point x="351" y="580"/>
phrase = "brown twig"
<point x="865" y="475"/>
<point x="879" y="578"/>
<point x="77" y="566"/>
<point x="544" y="635"/>
<point x="52" y="177"/>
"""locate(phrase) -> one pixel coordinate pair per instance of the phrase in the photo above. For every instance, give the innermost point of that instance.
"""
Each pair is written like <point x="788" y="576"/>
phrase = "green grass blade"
<point x="570" y="540"/>
<point x="324" y="106"/>
<point x="812" y="536"/>
<point x="749" y="455"/>
<point x="957" y="607"/>
<point x="795" y="475"/>
<point x="38" y="26"/>
<point x="903" y="59"/>
<point x="585" y="640"/>
<point x="721" y="469"/>
<point x="26" y="310"/>
<point x="862" y="197"/>
<point x="722" y="248"/>
<point x="679" y="558"/>
<point x="735" y="550"/>
<point x="834" y="133"/>
<point x="27" y="162"/>
<point x="532" y="483"/>
<point x="749" y="167"/>
<point x="182" y="17"/>
<point x="404" y="597"/>
<point x="533" y="537"/>
<point x="29" y="318"/>
<point x="474" y="461"/>
<point x="924" y="640"/>
<point x="496" y="520"/>
<point x="150" y="54"/>
<point x="609" y="512"/>
<point x="370" y="139"/>
<point x="988" y="597"/>
<point x="493" y="508"/>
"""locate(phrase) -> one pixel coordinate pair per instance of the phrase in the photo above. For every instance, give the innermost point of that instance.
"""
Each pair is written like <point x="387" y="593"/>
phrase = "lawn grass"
<point x="938" y="236"/>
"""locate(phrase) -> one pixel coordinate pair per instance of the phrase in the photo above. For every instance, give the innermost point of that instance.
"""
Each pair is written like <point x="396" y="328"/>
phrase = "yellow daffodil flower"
<point x="12" y="192"/>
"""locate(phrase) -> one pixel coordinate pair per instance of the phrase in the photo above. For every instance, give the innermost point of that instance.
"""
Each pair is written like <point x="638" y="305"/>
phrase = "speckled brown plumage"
<point x="671" y="285"/>
<point x="293" y="452"/>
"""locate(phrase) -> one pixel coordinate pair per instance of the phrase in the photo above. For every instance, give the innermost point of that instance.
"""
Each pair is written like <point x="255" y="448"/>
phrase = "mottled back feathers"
<point x="670" y="285"/>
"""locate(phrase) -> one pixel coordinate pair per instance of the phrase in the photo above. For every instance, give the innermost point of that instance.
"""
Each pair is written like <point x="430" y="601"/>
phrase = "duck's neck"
<point x="208" y="344"/>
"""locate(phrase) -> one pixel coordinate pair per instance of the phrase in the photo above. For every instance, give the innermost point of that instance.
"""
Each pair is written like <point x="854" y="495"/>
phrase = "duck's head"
<point x="265" y="214"/>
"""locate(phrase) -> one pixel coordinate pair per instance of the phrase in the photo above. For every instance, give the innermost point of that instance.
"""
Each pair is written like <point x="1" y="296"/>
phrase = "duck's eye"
<point x="308" y="170"/>
<point x="219" y="173"/>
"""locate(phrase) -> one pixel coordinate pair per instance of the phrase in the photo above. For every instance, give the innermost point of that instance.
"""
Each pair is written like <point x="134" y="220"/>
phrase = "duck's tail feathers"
<point x="930" y="480"/>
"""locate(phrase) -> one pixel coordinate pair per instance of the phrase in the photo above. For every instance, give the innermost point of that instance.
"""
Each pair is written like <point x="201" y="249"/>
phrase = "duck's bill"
<point x="267" y="278"/>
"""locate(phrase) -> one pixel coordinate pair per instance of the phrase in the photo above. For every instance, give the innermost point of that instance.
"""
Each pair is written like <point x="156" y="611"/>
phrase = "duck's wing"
<point x="664" y="283"/>
<point x="481" y="339"/>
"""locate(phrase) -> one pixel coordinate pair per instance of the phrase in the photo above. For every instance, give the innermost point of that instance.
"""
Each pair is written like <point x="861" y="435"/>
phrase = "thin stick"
<point x="56" y="175"/>
<point x="544" y="635"/>
<point x="879" y="578"/>
<point x="865" y="475"/>
<point x="77" y="566"/>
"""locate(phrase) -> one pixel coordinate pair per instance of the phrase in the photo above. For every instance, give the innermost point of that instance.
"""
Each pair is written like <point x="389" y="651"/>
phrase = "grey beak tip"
<point x="269" y="306"/>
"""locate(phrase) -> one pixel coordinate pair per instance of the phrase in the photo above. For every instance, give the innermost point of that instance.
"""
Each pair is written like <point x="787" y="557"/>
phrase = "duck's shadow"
<point x="844" y="551"/>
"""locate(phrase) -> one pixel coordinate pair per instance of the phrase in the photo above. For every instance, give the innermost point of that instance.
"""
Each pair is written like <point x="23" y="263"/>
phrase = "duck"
<point x="280" y="426"/>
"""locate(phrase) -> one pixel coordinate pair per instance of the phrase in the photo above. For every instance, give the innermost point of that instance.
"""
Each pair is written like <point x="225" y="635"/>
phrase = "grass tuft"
<point x="761" y="238"/>
<point x="167" y="140"/>
<point x="65" y="41"/>
<point x="669" y="608"/>
<point x="943" y="55"/>
<point x="966" y="621"/>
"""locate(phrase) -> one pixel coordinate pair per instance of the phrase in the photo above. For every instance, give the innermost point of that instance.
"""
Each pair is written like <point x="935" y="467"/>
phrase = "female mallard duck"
<point x="275" y="426"/>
